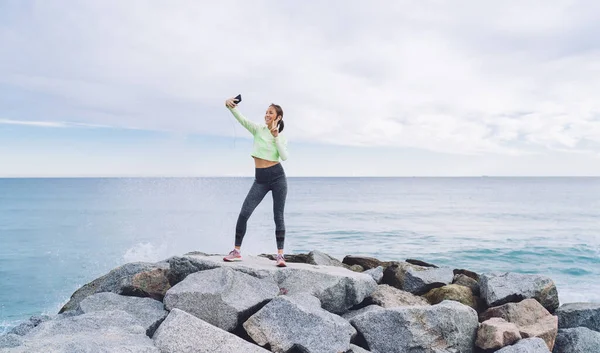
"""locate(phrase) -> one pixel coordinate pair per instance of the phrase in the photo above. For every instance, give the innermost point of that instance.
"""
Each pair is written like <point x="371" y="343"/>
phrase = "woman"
<point x="269" y="147"/>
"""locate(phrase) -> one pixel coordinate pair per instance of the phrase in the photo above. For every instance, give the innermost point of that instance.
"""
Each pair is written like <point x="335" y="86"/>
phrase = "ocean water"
<point x="58" y="234"/>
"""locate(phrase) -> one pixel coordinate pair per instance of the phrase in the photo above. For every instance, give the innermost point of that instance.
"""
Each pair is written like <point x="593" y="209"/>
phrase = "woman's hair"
<point x="279" y="112"/>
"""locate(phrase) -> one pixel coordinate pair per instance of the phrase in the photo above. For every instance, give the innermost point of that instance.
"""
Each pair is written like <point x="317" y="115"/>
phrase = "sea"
<point x="58" y="234"/>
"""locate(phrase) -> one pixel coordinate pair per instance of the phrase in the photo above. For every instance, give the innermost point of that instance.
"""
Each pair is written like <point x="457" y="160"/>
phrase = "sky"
<point x="378" y="88"/>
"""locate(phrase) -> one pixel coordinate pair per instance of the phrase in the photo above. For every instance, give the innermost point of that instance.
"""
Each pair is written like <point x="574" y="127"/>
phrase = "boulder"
<point x="10" y="340"/>
<point x="420" y="281"/>
<point x="356" y="349"/>
<point x="138" y="279"/>
<point x="502" y="288"/>
<point x="365" y="262"/>
<point x="316" y="257"/>
<point x="496" y="333"/>
<point x="420" y="263"/>
<point x="466" y="281"/>
<point x="529" y="345"/>
<point x="104" y="331"/>
<point x="376" y="273"/>
<point x="577" y="340"/>
<point x="24" y="328"/>
<point x="222" y="297"/>
<point x="389" y="297"/>
<point x="149" y="312"/>
<point x="532" y="319"/>
<point x="352" y="313"/>
<point x="454" y="292"/>
<point x="183" y="333"/>
<point x="467" y="273"/>
<point x="445" y="327"/>
<point x="573" y="315"/>
<point x="298" y="322"/>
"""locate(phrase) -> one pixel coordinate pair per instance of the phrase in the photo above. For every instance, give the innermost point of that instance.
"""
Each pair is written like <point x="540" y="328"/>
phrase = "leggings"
<point x="266" y="179"/>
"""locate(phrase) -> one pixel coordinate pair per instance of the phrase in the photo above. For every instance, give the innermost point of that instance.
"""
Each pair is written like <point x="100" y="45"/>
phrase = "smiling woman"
<point x="269" y="147"/>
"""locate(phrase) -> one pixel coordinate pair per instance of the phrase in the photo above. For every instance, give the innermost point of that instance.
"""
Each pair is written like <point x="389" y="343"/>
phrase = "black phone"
<point x="238" y="99"/>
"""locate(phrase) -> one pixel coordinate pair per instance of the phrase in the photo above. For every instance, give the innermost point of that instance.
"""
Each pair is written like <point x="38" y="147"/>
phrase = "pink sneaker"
<point x="234" y="255"/>
<point x="280" y="261"/>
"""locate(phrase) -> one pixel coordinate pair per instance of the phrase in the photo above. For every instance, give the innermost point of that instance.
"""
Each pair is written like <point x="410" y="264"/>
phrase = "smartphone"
<point x="238" y="99"/>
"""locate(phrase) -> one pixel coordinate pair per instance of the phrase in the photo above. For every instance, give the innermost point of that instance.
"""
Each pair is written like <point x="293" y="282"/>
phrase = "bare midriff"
<point x="263" y="163"/>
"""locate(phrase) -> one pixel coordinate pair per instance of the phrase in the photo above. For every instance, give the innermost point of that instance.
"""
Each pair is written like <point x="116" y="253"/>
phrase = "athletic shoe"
<point x="280" y="261"/>
<point x="234" y="255"/>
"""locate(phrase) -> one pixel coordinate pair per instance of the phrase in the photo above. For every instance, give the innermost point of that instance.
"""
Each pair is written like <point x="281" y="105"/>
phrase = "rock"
<point x="222" y="297"/>
<point x="496" y="333"/>
<point x="138" y="279"/>
<point x="376" y="273"/>
<point x="395" y="273"/>
<point x="149" y="312"/>
<point x="25" y="327"/>
<point x="349" y="315"/>
<point x="10" y="340"/>
<point x="502" y="288"/>
<point x="467" y="273"/>
<point x="104" y="331"/>
<point x="356" y="268"/>
<point x="454" y="292"/>
<point x="293" y="258"/>
<point x="297" y="321"/>
<point x="579" y="315"/>
<point x="356" y="349"/>
<point x="365" y="262"/>
<point x="316" y="257"/>
<point x="445" y="327"/>
<point x="529" y="345"/>
<point x="577" y="340"/>
<point x="419" y="281"/>
<point x="532" y="319"/>
<point x="466" y="281"/>
<point x="420" y="263"/>
<point x="183" y="333"/>
<point x="389" y="297"/>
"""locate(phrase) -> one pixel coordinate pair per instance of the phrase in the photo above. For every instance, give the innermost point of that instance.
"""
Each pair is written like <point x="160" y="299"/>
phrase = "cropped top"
<point x="266" y="146"/>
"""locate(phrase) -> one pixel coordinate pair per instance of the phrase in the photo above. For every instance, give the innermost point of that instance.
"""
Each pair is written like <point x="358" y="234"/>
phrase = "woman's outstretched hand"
<point x="231" y="102"/>
<point x="274" y="127"/>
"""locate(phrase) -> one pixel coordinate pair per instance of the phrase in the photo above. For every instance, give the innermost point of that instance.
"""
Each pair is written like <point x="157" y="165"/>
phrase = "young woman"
<point x="269" y="147"/>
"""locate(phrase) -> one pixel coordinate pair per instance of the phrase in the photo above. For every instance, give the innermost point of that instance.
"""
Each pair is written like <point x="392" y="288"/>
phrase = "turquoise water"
<point x="58" y="234"/>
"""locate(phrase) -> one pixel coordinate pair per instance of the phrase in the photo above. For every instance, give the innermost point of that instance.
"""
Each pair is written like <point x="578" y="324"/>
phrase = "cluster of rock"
<point x="198" y="303"/>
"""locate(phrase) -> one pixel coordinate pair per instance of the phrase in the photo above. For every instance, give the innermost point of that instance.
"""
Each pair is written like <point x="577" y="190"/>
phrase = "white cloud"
<point x="469" y="77"/>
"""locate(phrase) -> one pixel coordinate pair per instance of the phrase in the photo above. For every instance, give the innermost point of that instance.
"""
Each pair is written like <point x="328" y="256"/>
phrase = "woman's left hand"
<point x="275" y="127"/>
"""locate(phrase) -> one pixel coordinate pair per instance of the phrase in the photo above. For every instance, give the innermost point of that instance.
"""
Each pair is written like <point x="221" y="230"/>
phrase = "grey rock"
<point x="24" y="328"/>
<point x="445" y="327"/>
<point x="365" y="262"/>
<point x="316" y="257"/>
<point x="528" y="345"/>
<point x="420" y="263"/>
<point x="149" y="312"/>
<point x="222" y="297"/>
<point x="338" y="288"/>
<point x="466" y="281"/>
<point x="395" y="273"/>
<point x="577" y="340"/>
<point x="138" y="279"/>
<point x="10" y="340"/>
<point x="421" y="281"/>
<point x="356" y="349"/>
<point x="351" y="314"/>
<point x="298" y="322"/>
<point x="376" y="273"/>
<point x="185" y="333"/>
<point x="389" y="297"/>
<point x="579" y="315"/>
<point x="105" y="331"/>
<point x="501" y="288"/>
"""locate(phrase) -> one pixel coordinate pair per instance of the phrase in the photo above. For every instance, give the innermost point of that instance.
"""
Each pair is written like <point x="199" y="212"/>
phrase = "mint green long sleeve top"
<point x="266" y="146"/>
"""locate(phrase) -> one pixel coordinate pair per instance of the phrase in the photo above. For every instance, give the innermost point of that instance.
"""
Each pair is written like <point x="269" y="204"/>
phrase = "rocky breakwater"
<point x="198" y="303"/>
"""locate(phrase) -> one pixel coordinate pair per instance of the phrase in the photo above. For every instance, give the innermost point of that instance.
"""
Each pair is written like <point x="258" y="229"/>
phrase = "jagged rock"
<point x="502" y="288"/>
<point x="466" y="281"/>
<point x="338" y="289"/>
<point x="573" y="315"/>
<point x="10" y="340"/>
<point x="222" y="297"/>
<point x="496" y="333"/>
<point x="376" y="273"/>
<point x="467" y="273"/>
<point x="356" y="268"/>
<point x="421" y="263"/>
<point x="297" y="321"/>
<point x="577" y="340"/>
<point x="138" y="279"/>
<point x="104" y="331"/>
<point x="419" y="281"/>
<point x="185" y="333"/>
<point x="528" y="345"/>
<point x="454" y="292"/>
<point x="349" y="315"/>
<point x="395" y="273"/>
<point x="149" y="312"/>
<point x="316" y="257"/>
<point x="532" y="319"/>
<point x="293" y="258"/>
<point x="445" y="327"/>
<point x="356" y="349"/>
<point x="365" y="262"/>
<point x="389" y="297"/>
<point x="24" y="328"/>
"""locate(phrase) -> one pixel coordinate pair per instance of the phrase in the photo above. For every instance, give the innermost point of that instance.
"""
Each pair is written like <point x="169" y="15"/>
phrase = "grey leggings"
<point x="266" y="179"/>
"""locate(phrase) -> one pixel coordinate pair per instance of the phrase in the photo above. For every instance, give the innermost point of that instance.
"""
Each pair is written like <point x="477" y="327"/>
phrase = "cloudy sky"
<point x="378" y="88"/>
